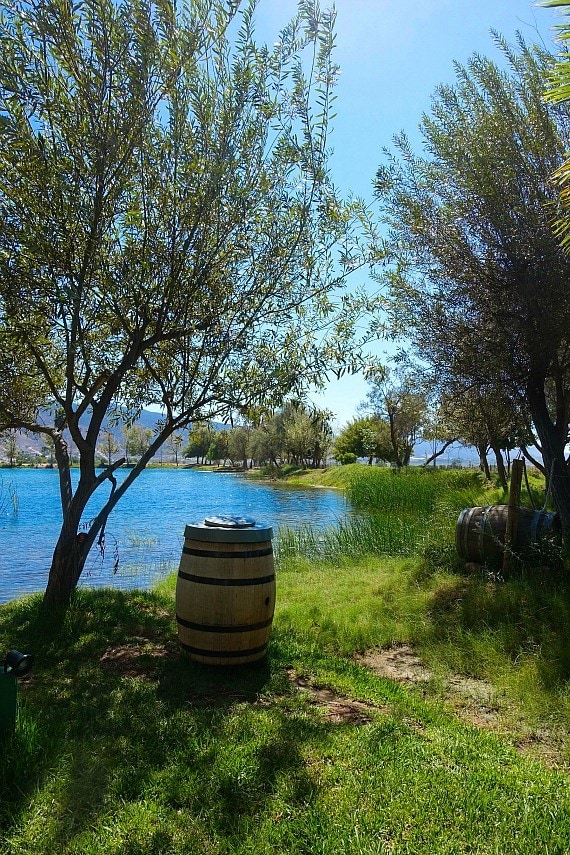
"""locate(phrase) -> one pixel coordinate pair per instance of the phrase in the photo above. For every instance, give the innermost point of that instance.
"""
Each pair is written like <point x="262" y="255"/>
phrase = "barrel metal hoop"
<point x="229" y="583"/>
<point x="204" y="627"/>
<point x="464" y="521"/>
<point x="224" y="654"/>
<point x="211" y="553"/>
<point x="482" y="531"/>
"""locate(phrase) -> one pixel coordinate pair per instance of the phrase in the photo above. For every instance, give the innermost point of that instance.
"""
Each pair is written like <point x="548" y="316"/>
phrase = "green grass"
<point x="161" y="755"/>
<point x="414" y="490"/>
<point x="124" y="746"/>
<point x="413" y="512"/>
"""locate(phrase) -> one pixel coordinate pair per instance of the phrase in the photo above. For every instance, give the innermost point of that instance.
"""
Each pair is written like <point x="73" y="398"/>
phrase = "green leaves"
<point x="171" y="236"/>
<point x="558" y="92"/>
<point x="479" y="282"/>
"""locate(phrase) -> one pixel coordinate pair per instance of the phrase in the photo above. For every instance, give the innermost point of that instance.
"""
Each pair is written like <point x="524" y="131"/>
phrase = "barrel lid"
<point x="229" y="521"/>
<point x="228" y="528"/>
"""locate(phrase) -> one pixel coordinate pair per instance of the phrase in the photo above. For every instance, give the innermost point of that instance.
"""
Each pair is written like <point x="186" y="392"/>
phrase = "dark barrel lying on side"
<point x="480" y="532"/>
<point x="225" y="592"/>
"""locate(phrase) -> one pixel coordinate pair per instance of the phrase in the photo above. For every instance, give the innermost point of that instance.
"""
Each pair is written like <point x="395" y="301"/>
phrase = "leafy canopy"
<point x="170" y="232"/>
<point x="479" y="281"/>
<point x="558" y="92"/>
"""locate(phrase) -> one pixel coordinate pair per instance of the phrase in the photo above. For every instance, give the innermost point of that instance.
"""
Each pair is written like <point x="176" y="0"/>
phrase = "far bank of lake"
<point x="145" y="532"/>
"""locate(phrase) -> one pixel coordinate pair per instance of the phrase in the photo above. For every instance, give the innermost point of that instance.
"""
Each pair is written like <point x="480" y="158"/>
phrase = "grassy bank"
<point x="404" y="707"/>
<point x="412" y="512"/>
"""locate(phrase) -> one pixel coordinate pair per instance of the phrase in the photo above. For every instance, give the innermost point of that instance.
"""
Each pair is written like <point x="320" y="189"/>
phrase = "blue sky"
<point x="393" y="54"/>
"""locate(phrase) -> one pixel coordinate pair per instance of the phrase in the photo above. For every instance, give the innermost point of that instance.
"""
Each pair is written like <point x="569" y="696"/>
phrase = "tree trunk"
<point x="66" y="567"/>
<point x="73" y="547"/>
<point x="483" y="462"/>
<point x="502" y="472"/>
<point x="71" y="550"/>
<point x="553" y="440"/>
<point x="394" y="440"/>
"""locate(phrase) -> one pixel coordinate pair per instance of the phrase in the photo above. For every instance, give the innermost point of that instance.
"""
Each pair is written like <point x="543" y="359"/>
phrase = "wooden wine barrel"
<point x="225" y="592"/>
<point x="480" y="532"/>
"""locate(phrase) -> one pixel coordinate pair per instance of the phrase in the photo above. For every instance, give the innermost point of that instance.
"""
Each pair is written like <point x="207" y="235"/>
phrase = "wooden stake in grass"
<point x="512" y="513"/>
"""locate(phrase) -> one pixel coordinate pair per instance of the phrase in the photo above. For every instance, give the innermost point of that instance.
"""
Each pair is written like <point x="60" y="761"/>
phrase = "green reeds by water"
<point x="397" y="513"/>
<point x="9" y="501"/>
<point x="382" y="534"/>
<point x="409" y="490"/>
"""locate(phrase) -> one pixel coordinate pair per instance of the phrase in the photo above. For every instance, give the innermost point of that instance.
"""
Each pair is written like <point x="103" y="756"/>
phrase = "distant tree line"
<point x="294" y="435"/>
<point x="402" y="409"/>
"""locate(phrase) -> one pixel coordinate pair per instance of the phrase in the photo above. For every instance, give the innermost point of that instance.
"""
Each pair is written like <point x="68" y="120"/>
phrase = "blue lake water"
<point x="146" y="529"/>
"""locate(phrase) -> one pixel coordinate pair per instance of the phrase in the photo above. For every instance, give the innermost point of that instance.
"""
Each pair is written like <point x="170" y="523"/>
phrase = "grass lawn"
<point x="404" y="707"/>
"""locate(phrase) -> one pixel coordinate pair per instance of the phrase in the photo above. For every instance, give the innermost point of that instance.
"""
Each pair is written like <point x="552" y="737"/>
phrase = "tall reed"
<point x="380" y="534"/>
<point x="396" y="513"/>
<point x="414" y="490"/>
<point x="9" y="498"/>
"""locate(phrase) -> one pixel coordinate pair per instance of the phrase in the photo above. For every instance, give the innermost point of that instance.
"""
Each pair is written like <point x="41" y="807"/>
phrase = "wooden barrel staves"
<point x="480" y="532"/>
<point x="225" y="592"/>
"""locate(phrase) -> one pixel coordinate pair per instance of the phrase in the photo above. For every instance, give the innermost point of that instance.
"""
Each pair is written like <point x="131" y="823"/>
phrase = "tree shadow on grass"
<point x="113" y="713"/>
<point x="528" y="614"/>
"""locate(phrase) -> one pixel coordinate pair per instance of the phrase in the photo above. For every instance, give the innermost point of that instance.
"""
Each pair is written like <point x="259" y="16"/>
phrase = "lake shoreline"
<point x="145" y="532"/>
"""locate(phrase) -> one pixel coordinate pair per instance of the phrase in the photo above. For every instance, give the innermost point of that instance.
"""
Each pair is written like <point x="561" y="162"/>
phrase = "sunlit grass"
<point x="353" y="605"/>
<point x="405" y="513"/>
<point x="124" y="746"/>
<point x="176" y="758"/>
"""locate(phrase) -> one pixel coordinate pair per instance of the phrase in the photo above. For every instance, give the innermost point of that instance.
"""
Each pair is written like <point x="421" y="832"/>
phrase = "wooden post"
<point x="512" y="513"/>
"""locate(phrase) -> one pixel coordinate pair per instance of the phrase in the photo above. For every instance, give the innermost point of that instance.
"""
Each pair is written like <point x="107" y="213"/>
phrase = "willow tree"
<point x="479" y="280"/>
<point x="170" y="231"/>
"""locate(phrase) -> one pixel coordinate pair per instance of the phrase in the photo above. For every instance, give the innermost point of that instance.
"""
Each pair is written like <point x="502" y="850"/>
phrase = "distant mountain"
<point x="32" y="444"/>
<point x="456" y="454"/>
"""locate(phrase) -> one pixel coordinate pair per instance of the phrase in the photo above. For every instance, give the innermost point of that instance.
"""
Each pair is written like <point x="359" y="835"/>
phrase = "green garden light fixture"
<point x="15" y="665"/>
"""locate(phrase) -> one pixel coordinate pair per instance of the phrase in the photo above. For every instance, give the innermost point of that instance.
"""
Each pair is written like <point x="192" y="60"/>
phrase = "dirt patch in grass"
<point x="546" y="746"/>
<point x="399" y="663"/>
<point x="474" y="701"/>
<point x="138" y="659"/>
<point x="337" y="708"/>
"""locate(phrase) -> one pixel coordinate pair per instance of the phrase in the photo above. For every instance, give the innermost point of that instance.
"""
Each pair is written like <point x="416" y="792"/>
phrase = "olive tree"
<point x="170" y="233"/>
<point x="199" y="440"/>
<point x="137" y="440"/>
<point x="367" y="436"/>
<point x="10" y="448"/>
<point x="238" y="439"/>
<point x="108" y="446"/>
<point x="401" y="404"/>
<point x="307" y="435"/>
<point x="479" y="281"/>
